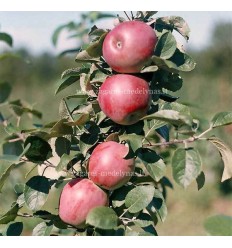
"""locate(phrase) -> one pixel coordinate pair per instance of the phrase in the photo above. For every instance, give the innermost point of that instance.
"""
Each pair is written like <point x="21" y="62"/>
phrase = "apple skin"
<point x="78" y="197"/>
<point x="128" y="46"/>
<point x="108" y="167"/>
<point x="124" y="98"/>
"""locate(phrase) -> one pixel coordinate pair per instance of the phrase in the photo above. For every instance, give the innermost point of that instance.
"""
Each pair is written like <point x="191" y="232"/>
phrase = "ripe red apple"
<point x="108" y="167"/>
<point x="124" y="98"/>
<point x="78" y="197"/>
<point x="128" y="46"/>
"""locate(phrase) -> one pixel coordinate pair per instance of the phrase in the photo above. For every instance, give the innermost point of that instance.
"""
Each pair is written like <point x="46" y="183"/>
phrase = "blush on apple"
<point x="124" y="98"/>
<point x="108" y="166"/>
<point x="129" y="46"/>
<point x="78" y="197"/>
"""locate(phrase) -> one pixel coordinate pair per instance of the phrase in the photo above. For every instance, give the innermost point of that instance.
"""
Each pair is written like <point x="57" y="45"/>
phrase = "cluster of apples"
<point x="125" y="99"/>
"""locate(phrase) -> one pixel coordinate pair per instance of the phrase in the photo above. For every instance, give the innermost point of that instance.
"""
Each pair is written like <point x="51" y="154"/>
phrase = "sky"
<point x="34" y="29"/>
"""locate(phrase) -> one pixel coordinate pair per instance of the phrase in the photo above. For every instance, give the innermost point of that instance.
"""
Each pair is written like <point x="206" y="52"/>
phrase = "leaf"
<point x="170" y="116"/>
<point x="10" y="215"/>
<point x="226" y="154"/>
<point x="36" y="192"/>
<point x="12" y="148"/>
<point x="219" y="225"/>
<point x="157" y="206"/>
<point x="39" y="149"/>
<point x="70" y="79"/>
<point x="62" y="146"/>
<point x="118" y="196"/>
<point x="172" y="82"/>
<point x="64" y="160"/>
<point x="95" y="49"/>
<point x="87" y="141"/>
<point x="61" y="129"/>
<point x="153" y="163"/>
<point x="186" y="166"/>
<point x="113" y="137"/>
<point x="168" y="97"/>
<point x="134" y="140"/>
<point x="84" y="57"/>
<point x="143" y="220"/>
<point x="221" y="119"/>
<point x="6" y="38"/>
<point x="200" y="180"/>
<point x="164" y="132"/>
<point x="56" y="34"/>
<point x="5" y="175"/>
<point x="5" y="89"/>
<point x="178" y="62"/>
<point x="102" y="217"/>
<point x="42" y="229"/>
<point x="151" y="68"/>
<point x="174" y="22"/>
<point x="166" y="46"/>
<point x="14" y="229"/>
<point x="139" y="198"/>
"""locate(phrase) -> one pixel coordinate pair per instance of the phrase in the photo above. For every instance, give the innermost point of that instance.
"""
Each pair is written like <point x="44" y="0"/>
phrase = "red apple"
<point x="78" y="197"/>
<point x="108" y="167"/>
<point x="124" y="98"/>
<point x="128" y="46"/>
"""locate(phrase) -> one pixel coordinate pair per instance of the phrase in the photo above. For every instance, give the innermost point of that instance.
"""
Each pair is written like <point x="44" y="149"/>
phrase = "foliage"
<point x="136" y="207"/>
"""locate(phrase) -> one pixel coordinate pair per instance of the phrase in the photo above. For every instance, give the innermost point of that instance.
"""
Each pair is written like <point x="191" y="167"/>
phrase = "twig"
<point x="127" y="15"/>
<point x="132" y="16"/>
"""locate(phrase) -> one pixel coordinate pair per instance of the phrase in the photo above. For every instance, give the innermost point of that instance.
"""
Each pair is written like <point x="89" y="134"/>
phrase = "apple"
<point x="77" y="198"/>
<point x="129" y="46"/>
<point x="108" y="166"/>
<point x="124" y="98"/>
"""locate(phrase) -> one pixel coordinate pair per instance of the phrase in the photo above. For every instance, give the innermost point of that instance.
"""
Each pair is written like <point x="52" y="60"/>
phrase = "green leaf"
<point x="178" y="62"/>
<point x="139" y="198"/>
<point x="64" y="160"/>
<point x="6" y="38"/>
<point x="151" y="68"/>
<point x="157" y="206"/>
<point x="153" y="163"/>
<point x="14" y="229"/>
<point x="134" y="140"/>
<point x="95" y="49"/>
<point x="10" y="215"/>
<point x="102" y="217"/>
<point x="181" y="108"/>
<point x="174" y="22"/>
<point x="5" y="175"/>
<point x="12" y="148"/>
<point x="221" y="119"/>
<point x="143" y="220"/>
<point x="186" y="166"/>
<point x="172" y="82"/>
<point x="219" y="225"/>
<point x="69" y="80"/>
<point x="61" y="129"/>
<point x="42" y="229"/>
<point x="39" y="149"/>
<point x="226" y="154"/>
<point x="62" y="146"/>
<point x="166" y="46"/>
<point x="118" y="196"/>
<point x="170" y="116"/>
<point x="5" y="90"/>
<point x="87" y="141"/>
<point x="200" y="180"/>
<point x="84" y="57"/>
<point x="10" y="158"/>
<point x="56" y="34"/>
<point x="36" y="192"/>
